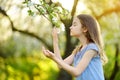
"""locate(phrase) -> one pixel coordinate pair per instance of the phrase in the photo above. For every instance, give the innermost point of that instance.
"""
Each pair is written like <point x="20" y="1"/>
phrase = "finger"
<point x="47" y="51"/>
<point x="43" y="48"/>
<point x="50" y="54"/>
<point x="44" y="51"/>
<point x="55" y="29"/>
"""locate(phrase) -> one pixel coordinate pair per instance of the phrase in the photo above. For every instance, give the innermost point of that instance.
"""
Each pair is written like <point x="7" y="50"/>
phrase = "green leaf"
<point x="30" y="12"/>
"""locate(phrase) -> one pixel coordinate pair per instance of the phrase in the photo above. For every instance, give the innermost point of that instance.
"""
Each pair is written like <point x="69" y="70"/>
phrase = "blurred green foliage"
<point x="19" y="64"/>
<point x="21" y="57"/>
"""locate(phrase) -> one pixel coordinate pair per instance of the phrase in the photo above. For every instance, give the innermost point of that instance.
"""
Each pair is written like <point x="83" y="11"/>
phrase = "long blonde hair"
<point x="93" y="34"/>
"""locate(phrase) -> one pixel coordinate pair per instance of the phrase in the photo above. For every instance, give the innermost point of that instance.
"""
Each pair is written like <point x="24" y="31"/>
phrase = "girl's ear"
<point x="85" y="29"/>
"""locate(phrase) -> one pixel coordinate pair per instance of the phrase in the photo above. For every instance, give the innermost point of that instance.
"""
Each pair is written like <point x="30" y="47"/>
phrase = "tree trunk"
<point x="116" y="66"/>
<point x="63" y="75"/>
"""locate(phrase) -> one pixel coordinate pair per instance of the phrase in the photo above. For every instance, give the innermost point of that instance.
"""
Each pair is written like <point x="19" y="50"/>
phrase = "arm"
<point x="55" y="43"/>
<point x="67" y="60"/>
<point x="75" y="71"/>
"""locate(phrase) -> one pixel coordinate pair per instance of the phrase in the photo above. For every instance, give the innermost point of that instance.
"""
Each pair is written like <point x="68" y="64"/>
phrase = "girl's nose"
<point x="70" y="27"/>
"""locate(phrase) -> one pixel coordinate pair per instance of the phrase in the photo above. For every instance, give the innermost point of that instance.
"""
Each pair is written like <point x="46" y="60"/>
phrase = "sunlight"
<point x="5" y="31"/>
<point x="35" y="1"/>
<point x="67" y="4"/>
<point x="80" y="7"/>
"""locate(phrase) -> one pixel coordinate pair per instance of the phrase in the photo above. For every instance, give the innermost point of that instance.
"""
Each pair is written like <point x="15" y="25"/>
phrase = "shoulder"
<point x="92" y="50"/>
<point x="92" y="46"/>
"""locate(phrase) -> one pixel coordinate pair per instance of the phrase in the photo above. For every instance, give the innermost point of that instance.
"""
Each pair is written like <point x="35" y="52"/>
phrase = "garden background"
<point x="26" y="26"/>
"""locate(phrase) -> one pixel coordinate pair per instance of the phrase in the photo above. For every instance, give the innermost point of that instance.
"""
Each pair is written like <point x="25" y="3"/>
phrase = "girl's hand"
<point x="48" y="53"/>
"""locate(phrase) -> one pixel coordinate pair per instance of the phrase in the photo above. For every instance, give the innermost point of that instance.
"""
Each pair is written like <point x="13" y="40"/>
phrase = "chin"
<point x="71" y="34"/>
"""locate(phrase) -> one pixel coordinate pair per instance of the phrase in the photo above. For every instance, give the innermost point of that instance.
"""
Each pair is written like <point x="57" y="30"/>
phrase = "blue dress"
<point x="94" y="70"/>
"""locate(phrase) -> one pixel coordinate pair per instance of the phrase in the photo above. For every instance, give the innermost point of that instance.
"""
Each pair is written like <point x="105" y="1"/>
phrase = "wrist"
<point x="54" y="58"/>
<point x="56" y="41"/>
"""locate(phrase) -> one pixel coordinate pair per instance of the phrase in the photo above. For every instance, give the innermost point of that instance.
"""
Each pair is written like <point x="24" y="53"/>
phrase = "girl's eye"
<point x="74" y="24"/>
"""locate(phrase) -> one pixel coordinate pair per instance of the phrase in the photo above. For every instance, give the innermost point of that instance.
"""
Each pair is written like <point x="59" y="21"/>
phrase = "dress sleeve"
<point x="93" y="46"/>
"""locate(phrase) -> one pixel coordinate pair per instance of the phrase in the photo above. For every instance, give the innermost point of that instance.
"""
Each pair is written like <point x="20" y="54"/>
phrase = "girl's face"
<point x="76" y="29"/>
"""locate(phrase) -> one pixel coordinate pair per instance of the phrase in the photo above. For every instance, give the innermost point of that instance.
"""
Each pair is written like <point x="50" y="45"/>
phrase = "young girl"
<point x="88" y="57"/>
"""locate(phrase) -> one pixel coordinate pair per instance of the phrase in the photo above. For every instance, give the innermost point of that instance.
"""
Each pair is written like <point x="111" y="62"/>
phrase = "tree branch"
<point x="25" y="32"/>
<point x="109" y="11"/>
<point x="116" y="66"/>
<point x="74" y="7"/>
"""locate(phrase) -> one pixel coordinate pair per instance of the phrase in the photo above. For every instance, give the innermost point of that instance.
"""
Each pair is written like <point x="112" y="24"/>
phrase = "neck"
<point x="83" y="41"/>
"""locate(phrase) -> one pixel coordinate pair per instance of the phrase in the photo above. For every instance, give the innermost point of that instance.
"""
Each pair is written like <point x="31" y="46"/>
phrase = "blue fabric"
<point x="94" y="70"/>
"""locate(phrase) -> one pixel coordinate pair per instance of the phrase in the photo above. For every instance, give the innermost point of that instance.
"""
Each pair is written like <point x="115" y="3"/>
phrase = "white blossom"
<point x="30" y="3"/>
<point x="62" y="26"/>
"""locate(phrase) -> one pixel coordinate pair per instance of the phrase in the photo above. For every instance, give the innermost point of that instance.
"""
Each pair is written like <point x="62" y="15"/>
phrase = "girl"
<point x="87" y="57"/>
